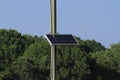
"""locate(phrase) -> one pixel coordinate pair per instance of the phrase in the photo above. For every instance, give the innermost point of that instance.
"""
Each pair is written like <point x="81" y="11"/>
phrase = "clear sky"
<point x="87" y="19"/>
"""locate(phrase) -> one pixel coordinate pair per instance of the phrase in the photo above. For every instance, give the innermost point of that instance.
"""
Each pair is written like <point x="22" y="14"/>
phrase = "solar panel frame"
<point x="61" y="39"/>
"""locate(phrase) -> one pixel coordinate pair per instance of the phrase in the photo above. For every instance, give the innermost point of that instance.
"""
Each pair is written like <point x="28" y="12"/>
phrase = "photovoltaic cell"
<point x="52" y="39"/>
<point x="64" y="39"/>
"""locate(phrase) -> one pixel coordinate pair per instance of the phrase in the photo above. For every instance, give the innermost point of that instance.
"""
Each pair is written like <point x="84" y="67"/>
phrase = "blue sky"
<point x="87" y="19"/>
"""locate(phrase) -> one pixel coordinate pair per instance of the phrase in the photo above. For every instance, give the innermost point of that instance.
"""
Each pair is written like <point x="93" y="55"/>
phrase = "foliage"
<point x="26" y="57"/>
<point x="90" y="46"/>
<point x="71" y="63"/>
<point x="12" y="45"/>
<point x="107" y="63"/>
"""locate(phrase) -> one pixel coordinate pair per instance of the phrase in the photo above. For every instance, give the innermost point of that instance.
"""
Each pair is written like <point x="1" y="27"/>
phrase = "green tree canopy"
<point x="107" y="63"/>
<point x="26" y="57"/>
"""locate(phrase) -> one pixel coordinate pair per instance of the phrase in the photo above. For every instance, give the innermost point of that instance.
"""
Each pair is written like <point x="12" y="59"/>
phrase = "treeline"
<point x="26" y="57"/>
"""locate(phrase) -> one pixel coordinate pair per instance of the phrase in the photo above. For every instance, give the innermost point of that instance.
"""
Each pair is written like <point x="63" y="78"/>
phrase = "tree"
<point x="35" y="63"/>
<point x="90" y="46"/>
<point x="26" y="57"/>
<point x="106" y="63"/>
<point x="12" y="45"/>
<point x="71" y="63"/>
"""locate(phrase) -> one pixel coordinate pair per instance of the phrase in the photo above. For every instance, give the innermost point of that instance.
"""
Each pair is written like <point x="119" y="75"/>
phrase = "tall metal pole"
<point x="53" y="31"/>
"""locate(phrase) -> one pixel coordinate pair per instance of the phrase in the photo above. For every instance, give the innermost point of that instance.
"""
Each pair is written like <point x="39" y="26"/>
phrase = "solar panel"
<point x="61" y="39"/>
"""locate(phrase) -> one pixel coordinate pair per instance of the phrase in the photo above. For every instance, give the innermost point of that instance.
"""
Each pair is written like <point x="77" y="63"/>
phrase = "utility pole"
<point x="53" y="31"/>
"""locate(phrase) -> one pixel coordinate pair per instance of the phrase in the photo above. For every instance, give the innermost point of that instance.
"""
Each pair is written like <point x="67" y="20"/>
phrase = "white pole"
<point x="53" y="31"/>
<point x="53" y="16"/>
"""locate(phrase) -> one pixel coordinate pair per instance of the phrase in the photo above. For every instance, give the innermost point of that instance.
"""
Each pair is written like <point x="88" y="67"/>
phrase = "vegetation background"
<point x="26" y="57"/>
